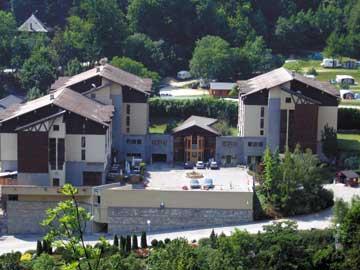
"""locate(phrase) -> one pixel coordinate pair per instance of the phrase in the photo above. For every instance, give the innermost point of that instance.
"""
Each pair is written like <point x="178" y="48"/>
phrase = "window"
<point x="56" y="128"/>
<point x="261" y="123"/>
<point x="12" y="197"/>
<point x="60" y="153"/>
<point x="56" y="182"/>
<point x="52" y="153"/>
<point x="83" y="154"/>
<point x="261" y="132"/>
<point x="138" y="141"/>
<point x="128" y="108"/>
<point x="127" y="130"/>
<point x="288" y="100"/>
<point x="262" y="112"/>
<point x="128" y="120"/>
<point x="83" y="142"/>
<point x="250" y="144"/>
<point x="261" y="144"/>
<point x="98" y="199"/>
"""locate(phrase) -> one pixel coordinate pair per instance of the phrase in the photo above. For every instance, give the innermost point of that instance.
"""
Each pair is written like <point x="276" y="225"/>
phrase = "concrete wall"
<point x="251" y="120"/>
<point x="25" y="216"/>
<point x="229" y="146"/>
<point x="74" y="171"/>
<point x="39" y="179"/>
<point x="160" y="144"/>
<point x="273" y="130"/>
<point x="127" y="220"/>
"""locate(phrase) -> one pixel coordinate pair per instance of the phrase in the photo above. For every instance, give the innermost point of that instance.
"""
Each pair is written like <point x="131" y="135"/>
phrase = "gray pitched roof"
<point x="67" y="99"/>
<point x="10" y="100"/>
<point x="199" y="121"/>
<point x="33" y="24"/>
<point x="111" y="73"/>
<point x="350" y="174"/>
<point x="280" y="76"/>
<point x="222" y="85"/>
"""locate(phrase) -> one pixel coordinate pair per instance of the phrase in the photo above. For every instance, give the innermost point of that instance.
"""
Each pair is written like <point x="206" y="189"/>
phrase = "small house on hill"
<point x="33" y="24"/>
<point x="349" y="178"/>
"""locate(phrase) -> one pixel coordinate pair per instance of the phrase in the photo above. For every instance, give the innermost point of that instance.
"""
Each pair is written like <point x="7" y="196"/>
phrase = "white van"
<point x="183" y="75"/>
<point x="330" y="63"/>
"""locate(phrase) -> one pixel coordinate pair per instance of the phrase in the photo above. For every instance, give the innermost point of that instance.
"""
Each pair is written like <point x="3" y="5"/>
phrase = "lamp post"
<point x="337" y="243"/>
<point x="149" y="225"/>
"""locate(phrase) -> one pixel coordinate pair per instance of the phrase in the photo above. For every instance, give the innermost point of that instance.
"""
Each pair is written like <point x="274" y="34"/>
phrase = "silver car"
<point x="194" y="184"/>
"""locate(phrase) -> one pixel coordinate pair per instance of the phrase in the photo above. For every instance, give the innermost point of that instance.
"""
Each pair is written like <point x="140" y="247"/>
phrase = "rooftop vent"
<point x="52" y="96"/>
<point x="103" y="61"/>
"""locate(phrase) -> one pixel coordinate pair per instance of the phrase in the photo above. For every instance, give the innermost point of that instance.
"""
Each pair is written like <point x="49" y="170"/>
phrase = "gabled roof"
<point x="280" y="76"/>
<point x="350" y="174"/>
<point x="111" y="73"/>
<point x="68" y="100"/>
<point x="33" y="24"/>
<point x="60" y="82"/>
<point x="198" y="121"/>
<point x="9" y="101"/>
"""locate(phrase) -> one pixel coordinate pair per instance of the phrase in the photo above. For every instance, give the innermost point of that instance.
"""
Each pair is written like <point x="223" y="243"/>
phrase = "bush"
<point x="10" y="261"/>
<point x="44" y="262"/>
<point x="122" y="244"/>
<point x="128" y="244"/>
<point x="154" y="243"/>
<point x="167" y="241"/>
<point x="39" y="248"/>
<point x="348" y="119"/>
<point x="160" y="244"/>
<point x="116" y="241"/>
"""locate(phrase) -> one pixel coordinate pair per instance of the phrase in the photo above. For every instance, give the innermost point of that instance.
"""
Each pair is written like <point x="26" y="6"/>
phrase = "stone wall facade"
<point x="132" y="219"/>
<point x="26" y="216"/>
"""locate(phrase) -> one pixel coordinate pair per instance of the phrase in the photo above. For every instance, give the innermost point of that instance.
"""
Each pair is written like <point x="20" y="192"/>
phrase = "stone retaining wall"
<point x="132" y="219"/>
<point x="26" y="216"/>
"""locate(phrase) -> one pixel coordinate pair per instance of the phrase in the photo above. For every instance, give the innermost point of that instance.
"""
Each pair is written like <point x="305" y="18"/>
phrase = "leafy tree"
<point x="39" y="70"/>
<point x="33" y="93"/>
<point x="122" y="244"/>
<point x="7" y="32"/>
<point x="128" y="244"/>
<point x="66" y="224"/>
<point x="329" y="142"/>
<point x="110" y="27"/>
<point x="212" y="59"/>
<point x="269" y="171"/>
<point x="136" y="68"/>
<point x="341" y="209"/>
<point x="73" y="67"/>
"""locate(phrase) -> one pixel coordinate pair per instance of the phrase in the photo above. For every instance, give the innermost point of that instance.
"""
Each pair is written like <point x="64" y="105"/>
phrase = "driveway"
<point x="319" y="220"/>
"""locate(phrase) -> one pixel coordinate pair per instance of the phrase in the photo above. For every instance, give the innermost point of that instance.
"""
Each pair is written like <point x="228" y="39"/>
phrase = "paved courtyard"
<point x="162" y="176"/>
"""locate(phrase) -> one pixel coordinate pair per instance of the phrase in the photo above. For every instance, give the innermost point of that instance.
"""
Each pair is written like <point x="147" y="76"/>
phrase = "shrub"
<point x="312" y="71"/>
<point x="154" y="243"/>
<point x="135" y="245"/>
<point x="348" y="119"/>
<point x="122" y="244"/>
<point x="10" y="261"/>
<point x="167" y="241"/>
<point x="143" y="240"/>
<point x="44" y="262"/>
<point x="128" y="244"/>
<point x="160" y="244"/>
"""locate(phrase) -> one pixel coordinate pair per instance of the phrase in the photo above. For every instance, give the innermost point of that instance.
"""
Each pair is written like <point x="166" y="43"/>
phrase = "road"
<point x="319" y="220"/>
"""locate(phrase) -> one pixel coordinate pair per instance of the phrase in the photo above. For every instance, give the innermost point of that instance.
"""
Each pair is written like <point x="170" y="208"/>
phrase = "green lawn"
<point x="325" y="74"/>
<point x="349" y="142"/>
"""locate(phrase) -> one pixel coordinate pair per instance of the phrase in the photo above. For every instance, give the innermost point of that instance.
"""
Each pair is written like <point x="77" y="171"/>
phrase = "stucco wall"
<point x="326" y="115"/>
<point x="139" y="118"/>
<point x="160" y="144"/>
<point x="74" y="171"/>
<point x="95" y="148"/>
<point x="38" y="179"/>
<point x="251" y="124"/>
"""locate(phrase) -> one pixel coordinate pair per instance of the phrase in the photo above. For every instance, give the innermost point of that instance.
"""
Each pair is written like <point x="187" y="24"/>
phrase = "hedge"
<point x="183" y="108"/>
<point x="348" y="118"/>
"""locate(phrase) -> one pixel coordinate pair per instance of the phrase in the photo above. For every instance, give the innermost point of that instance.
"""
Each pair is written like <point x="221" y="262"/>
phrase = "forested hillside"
<point x="233" y="38"/>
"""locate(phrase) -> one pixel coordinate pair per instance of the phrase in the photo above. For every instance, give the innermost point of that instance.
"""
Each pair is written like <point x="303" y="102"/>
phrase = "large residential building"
<point x="72" y="133"/>
<point x="287" y="108"/>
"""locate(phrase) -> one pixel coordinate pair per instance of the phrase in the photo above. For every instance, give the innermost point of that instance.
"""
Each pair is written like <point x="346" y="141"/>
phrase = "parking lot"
<point x="167" y="177"/>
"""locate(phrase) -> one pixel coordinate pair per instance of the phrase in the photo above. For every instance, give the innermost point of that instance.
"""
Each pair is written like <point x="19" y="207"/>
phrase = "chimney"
<point x="103" y="61"/>
<point x="52" y="96"/>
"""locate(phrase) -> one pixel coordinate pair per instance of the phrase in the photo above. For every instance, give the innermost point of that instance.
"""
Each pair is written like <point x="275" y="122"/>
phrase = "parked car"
<point x="200" y="165"/>
<point x="188" y="165"/>
<point x="208" y="183"/>
<point x="345" y="79"/>
<point x="194" y="184"/>
<point x="214" y="165"/>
